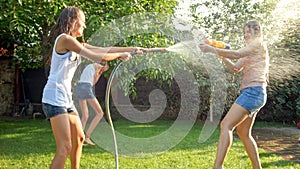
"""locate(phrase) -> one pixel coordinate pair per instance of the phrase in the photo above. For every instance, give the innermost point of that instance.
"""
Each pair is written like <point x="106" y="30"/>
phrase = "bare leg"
<point x="244" y="132"/>
<point x="99" y="114"/>
<point x="77" y="137"/>
<point x="61" y="131"/>
<point x="236" y="115"/>
<point x="85" y="112"/>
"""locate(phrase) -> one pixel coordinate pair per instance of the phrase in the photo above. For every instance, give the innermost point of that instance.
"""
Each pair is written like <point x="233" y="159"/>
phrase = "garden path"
<point x="281" y="141"/>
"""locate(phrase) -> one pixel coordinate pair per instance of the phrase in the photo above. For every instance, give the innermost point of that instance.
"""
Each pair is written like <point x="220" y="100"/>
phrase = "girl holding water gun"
<point x="253" y="60"/>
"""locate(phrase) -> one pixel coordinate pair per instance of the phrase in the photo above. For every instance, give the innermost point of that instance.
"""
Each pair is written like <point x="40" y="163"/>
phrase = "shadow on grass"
<point x="278" y="164"/>
<point x="22" y="137"/>
<point x="148" y="131"/>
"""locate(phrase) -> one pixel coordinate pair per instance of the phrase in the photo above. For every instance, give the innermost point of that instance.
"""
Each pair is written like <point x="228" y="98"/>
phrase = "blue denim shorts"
<point x="51" y="111"/>
<point x="252" y="99"/>
<point x="84" y="91"/>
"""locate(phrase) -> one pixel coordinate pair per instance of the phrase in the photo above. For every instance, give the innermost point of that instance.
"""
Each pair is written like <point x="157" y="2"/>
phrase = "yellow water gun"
<point x="217" y="44"/>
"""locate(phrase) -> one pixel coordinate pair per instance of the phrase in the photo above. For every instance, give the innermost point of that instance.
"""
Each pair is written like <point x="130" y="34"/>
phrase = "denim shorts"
<point x="51" y="111"/>
<point x="84" y="91"/>
<point x="252" y="99"/>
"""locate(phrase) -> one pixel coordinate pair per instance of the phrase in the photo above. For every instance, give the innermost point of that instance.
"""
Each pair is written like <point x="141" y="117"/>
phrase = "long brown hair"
<point x="65" y="23"/>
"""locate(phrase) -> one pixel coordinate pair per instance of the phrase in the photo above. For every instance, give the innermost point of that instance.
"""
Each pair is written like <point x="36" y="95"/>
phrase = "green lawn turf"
<point x="29" y="144"/>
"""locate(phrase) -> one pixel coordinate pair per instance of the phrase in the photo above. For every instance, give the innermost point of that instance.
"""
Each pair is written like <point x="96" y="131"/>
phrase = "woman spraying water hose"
<point x="253" y="59"/>
<point x="57" y="101"/>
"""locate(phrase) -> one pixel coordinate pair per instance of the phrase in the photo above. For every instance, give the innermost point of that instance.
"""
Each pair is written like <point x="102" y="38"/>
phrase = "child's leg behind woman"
<point x="98" y="115"/>
<point x="85" y="112"/>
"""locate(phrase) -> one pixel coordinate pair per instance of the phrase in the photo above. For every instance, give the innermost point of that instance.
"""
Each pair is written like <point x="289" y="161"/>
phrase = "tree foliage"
<point x="224" y="20"/>
<point x="26" y="24"/>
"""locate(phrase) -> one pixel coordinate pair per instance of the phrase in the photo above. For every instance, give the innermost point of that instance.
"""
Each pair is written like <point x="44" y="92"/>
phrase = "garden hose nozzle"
<point x="157" y="50"/>
<point x="150" y="50"/>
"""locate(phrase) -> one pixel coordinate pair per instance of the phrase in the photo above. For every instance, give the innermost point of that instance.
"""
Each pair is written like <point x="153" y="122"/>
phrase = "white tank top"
<point x="87" y="75"/>
<point x="57" y="90"/>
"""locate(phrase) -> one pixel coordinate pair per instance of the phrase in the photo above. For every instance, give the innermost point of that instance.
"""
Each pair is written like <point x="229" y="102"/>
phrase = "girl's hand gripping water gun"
<point x="217" y="44"/>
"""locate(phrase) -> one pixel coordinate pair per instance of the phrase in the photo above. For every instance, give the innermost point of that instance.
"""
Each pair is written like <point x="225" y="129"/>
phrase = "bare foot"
<point x="89" y="141"/>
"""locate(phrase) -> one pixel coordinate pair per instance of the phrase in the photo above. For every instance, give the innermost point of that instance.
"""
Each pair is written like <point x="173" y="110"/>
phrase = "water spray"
<point x="107" y="95"/>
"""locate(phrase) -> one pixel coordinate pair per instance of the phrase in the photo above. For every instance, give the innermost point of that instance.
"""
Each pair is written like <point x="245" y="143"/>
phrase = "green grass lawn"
<point x="26" y="144"/>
